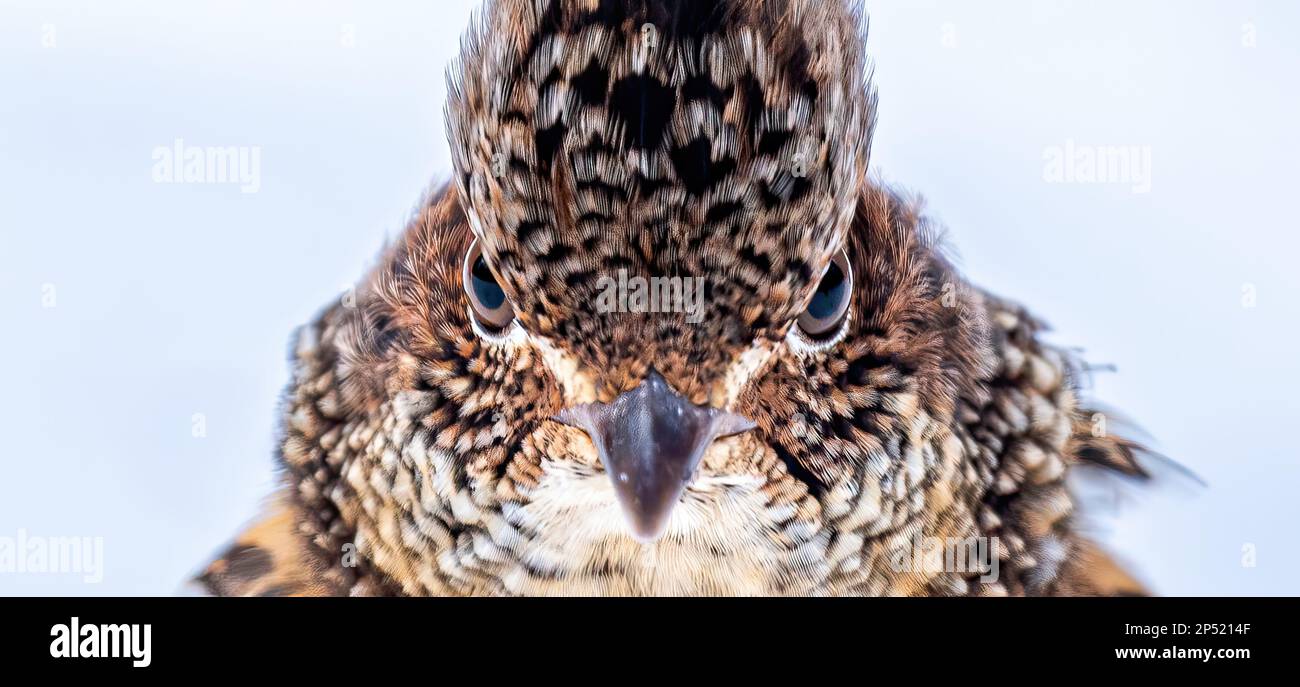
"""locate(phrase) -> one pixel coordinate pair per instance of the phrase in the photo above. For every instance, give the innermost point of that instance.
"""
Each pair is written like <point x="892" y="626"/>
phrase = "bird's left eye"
<point x="486" y="296"/>
<point x="831" y="301"/>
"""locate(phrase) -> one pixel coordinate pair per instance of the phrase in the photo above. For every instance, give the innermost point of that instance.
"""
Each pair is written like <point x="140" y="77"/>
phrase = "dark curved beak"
<point x="650" y="440"/>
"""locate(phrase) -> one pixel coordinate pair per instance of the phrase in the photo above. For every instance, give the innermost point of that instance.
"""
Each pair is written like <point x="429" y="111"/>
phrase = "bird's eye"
<point x="831" y="301"/>
<point x="493" y="310"/>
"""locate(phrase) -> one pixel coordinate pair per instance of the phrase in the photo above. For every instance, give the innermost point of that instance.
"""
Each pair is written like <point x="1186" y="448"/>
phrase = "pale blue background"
<point x="179" y="299"/>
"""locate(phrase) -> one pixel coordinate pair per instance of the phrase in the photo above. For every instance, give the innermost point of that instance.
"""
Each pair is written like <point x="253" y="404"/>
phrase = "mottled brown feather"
<point x="419" y="452"/>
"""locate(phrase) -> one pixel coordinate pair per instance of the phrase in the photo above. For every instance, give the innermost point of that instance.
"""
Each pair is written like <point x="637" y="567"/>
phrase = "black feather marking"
<point x="701" y="87"/>
<point x="548" y="141"/>
<point x="772" y="140"/>
<point x="721" y="212"/>
<point x="592" y="84"/>
<point x="645" y="106"/>
<point x="526" y="229"/>
<point x="798" y="471"/>
<point x="696" y="170"/>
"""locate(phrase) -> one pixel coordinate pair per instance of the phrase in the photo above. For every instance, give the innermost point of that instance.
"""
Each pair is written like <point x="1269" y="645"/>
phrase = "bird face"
<point x="662" y="337"/>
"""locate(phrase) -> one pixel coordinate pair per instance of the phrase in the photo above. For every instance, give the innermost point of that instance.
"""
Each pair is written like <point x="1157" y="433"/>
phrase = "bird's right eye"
<point x="491" y="306"/>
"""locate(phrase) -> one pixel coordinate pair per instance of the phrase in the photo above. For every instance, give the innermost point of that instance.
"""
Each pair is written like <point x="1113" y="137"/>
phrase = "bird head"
<point x="660" y="310"/>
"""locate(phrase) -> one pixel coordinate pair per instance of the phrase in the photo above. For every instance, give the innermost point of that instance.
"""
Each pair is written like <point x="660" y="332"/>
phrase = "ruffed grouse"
<point x="661" y="334"/>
